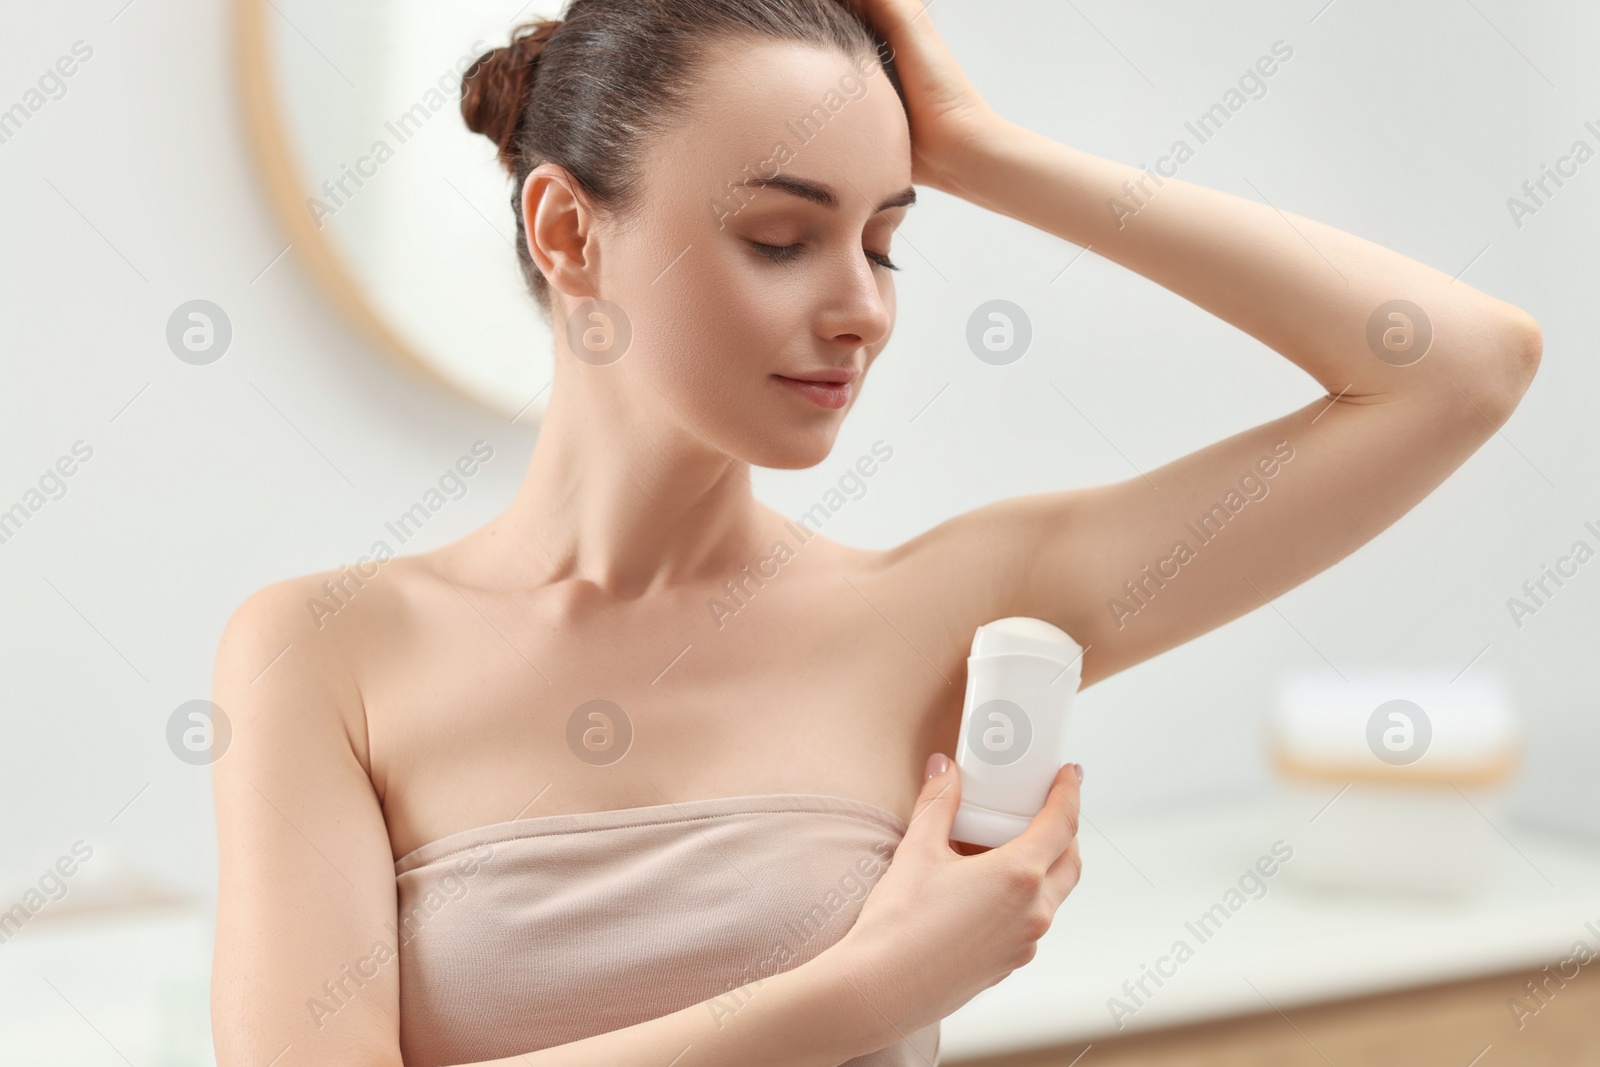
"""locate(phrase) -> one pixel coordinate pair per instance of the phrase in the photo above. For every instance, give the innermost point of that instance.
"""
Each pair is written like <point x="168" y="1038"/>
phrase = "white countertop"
<point x="116" y="989"/>
<point x="134" y="989"/>
<point x="1144" y="880"/>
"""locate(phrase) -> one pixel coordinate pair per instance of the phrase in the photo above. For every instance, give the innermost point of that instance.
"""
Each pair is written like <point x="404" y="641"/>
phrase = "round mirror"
<point x="401" y="213"/>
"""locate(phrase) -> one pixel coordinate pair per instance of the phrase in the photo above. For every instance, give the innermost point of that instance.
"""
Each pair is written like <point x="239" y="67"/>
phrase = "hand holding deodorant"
<point x="1021" y="678"/>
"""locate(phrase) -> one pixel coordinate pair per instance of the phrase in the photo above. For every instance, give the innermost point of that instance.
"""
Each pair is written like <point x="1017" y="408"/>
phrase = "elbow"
<point x="1509" y="366"/>
<point x="1527" y="346"/>
<point x="1532" y="342"/>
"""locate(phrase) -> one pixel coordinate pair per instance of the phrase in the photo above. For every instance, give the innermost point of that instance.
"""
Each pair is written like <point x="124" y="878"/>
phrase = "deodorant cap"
<point x="1022" y="635"/>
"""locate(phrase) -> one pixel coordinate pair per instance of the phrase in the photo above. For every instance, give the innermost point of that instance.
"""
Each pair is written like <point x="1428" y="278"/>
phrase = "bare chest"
<point x="484" y="706"/>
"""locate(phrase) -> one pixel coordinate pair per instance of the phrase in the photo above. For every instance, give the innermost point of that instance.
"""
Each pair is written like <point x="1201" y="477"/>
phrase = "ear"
<point x="559" y="223"/>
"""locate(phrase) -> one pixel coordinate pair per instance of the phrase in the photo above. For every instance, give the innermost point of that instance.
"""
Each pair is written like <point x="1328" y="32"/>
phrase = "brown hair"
<point x="587" y="90"/>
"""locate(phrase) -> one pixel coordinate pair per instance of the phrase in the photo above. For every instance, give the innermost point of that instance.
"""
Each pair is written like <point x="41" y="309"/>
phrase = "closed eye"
<point x="787" y="253"/>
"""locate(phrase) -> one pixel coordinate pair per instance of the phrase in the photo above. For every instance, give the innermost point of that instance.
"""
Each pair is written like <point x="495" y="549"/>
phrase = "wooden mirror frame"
<point x="280" y="170"/>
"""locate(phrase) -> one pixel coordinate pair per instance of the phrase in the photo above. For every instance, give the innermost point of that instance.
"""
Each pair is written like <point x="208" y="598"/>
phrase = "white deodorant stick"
<point x="1021" y="678"/>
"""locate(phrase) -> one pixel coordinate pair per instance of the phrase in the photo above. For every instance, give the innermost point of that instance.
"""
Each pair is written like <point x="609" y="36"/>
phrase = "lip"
<point x="828" y="376"/>
<point x="824" y="393"/>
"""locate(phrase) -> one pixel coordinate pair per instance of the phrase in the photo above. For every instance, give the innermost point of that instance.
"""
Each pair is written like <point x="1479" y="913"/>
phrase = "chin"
<point x="796" y="450"/>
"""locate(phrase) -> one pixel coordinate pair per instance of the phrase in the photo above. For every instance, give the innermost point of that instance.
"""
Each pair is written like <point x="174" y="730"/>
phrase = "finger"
<point x="935" y="810"/>
<point x="1061" y="878"/>
<point x="888" y="15"/>
<point x="1054" y="826"/>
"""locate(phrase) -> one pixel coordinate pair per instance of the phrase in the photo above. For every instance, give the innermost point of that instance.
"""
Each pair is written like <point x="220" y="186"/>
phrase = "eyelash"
<point x="786" y="253"/>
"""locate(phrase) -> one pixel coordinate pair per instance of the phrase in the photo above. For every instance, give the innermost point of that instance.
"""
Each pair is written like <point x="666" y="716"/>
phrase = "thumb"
<point x="935" y="810"/>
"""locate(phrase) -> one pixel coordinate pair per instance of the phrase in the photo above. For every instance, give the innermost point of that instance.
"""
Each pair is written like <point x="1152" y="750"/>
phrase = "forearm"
<point x="813" y="1015"/>
<point x="1305" y="289"/>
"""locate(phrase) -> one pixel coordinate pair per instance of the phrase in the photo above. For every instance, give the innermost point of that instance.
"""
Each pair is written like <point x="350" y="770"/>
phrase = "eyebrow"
<point x="822" y="193"/>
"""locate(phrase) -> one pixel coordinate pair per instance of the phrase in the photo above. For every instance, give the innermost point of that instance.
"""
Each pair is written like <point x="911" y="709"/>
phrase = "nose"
<point x="860" y="308"/>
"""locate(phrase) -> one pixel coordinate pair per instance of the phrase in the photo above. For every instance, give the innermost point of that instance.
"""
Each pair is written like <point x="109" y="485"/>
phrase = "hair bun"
<point x="495" y="89"/>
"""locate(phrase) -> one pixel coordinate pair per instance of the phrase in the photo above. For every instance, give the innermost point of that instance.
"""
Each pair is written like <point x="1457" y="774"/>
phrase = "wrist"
<point x="971" y="174"/>
<point x="856" y="1011"/>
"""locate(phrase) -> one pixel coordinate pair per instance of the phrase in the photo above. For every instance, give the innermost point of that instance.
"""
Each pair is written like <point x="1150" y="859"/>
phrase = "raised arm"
<point x="306" y="892"/>
<point x="1418" y="370"/>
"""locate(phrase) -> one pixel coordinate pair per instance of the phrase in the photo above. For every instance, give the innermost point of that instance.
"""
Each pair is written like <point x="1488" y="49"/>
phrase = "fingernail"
<point x="938" y="763"/>
<point x="1077" y="768"/>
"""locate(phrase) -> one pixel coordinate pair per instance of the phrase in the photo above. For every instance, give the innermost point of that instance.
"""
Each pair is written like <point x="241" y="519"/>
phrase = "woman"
<point x="598" y="784"/>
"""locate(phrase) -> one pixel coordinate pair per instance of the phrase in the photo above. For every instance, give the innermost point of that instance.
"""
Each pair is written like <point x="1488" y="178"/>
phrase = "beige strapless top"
<point x="537" y="932"/>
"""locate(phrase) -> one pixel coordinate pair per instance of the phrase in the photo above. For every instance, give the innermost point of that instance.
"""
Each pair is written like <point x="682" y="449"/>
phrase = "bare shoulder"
<point x="329" y="614"/>
<point x="302" y="639"/>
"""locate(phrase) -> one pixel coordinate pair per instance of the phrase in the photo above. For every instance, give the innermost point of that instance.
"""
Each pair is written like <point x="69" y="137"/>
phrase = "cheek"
<point x="715" y="322"/>
<point x="704" y="341"/>
<point x="717" y="309"/>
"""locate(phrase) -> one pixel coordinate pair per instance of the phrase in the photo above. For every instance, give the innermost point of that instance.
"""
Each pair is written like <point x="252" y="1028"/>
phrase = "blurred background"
<point x="240" y="337"/>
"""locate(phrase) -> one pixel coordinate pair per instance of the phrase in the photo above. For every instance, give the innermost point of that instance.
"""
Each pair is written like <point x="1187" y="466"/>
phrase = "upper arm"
<point x="1136" y="567"/>
<point x="306" y="888"/>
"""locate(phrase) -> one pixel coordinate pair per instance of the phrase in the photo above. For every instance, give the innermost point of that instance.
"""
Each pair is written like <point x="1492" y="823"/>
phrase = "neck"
<point x="622" y="493"/>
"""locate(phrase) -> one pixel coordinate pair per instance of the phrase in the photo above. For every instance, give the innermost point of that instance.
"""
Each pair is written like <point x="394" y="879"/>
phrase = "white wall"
<point x="134" y="192"/>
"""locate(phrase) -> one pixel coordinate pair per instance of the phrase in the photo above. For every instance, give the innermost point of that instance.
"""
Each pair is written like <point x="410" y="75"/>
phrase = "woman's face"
<point x="719" y="324"/>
